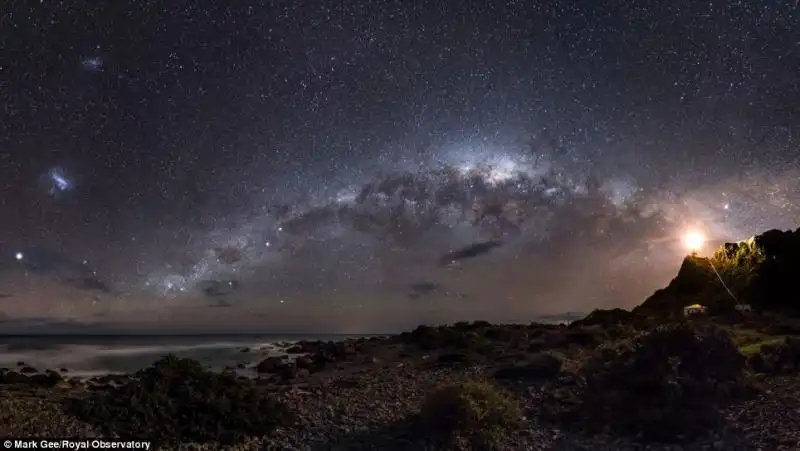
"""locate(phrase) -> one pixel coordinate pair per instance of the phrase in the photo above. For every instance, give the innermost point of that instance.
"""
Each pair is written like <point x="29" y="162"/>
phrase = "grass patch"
<point x="755" y="348"/>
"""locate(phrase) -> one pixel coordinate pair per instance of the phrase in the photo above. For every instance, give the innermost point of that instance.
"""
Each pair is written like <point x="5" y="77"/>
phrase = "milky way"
<point x="326" y="166"/>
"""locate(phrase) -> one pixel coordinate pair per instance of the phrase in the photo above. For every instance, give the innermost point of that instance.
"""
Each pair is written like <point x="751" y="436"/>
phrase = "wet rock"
<point x="270" y="365"/>
<point x="13" y="377"/>
<point x="48" y="379"/>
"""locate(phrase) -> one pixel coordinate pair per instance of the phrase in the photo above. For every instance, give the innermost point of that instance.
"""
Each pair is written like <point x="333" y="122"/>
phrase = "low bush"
<point x="538" y="366"/>
<point x="777" y="357"/>
<point x="461" y="336"/>
<point x="666" y="385"/>
<point x="176" y="401"/>
<point x="470" y="415"/>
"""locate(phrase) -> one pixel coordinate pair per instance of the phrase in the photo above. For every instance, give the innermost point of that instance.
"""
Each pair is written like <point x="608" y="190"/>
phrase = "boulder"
<point x="271" y="365"/>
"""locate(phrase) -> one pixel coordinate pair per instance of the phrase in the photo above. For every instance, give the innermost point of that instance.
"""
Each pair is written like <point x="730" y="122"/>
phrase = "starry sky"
<point x="305" y="166"/>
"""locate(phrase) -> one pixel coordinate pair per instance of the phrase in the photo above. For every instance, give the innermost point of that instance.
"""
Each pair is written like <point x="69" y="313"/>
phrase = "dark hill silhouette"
<point x="761" y="271"/>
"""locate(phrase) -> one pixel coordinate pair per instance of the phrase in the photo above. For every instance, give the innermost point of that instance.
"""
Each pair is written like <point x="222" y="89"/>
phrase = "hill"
<point x="760" y="271"/>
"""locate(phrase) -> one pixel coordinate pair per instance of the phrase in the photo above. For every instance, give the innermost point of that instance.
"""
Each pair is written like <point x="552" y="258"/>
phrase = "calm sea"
<point x="88" y="355"/>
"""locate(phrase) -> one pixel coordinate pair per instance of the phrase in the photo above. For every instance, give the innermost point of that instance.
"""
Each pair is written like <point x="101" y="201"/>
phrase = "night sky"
<point x="304" y="166"/>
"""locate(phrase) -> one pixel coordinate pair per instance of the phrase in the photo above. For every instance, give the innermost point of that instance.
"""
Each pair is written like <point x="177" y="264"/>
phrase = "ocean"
<point x="92" y="355"/>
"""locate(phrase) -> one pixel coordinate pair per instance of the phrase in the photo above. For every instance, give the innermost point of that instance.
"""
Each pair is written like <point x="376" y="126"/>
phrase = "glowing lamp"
<point x="694" y="240"/>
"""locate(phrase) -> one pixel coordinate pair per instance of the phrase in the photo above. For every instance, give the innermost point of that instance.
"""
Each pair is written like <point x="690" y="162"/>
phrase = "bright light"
<point x="694" y="240"/>
<point x="19" y="256"/>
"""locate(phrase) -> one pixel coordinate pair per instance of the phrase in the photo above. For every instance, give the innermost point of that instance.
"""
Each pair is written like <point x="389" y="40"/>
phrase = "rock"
<point x="306" y="347"/>
<point x="65" y="384"/>
<point x="344" y="349"/>
<point x="245" y="350"/>
<point x="48" y="380"/>
<point x="288" y="371"/>
<point x="270" y="365"/>
<point x="13" y="377"/>
<point x="110" y="379"/>
<point x="371" y="360"/>
<point x="304" y="362"/>
<point x="28" y="370"/>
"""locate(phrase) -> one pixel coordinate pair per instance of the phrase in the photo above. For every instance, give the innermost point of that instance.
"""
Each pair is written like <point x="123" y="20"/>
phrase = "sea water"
<point x="91" y="355"/>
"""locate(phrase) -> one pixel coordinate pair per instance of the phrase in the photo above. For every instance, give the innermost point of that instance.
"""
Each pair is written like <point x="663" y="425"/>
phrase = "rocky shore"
<point x="614" y="381"/>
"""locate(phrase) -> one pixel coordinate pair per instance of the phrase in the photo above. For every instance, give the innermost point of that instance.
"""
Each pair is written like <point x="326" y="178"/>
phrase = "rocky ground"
<point x="600" y="384"/>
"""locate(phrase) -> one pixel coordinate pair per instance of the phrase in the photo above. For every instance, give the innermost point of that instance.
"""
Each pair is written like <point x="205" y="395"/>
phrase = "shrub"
<point x="461" y="336"/>
<point x="665" y="385"/>
<point x="777" y="358"/>
<point x="176" y="400"/>
<point x="539" y="366"/>
<point x="470" y="415"/>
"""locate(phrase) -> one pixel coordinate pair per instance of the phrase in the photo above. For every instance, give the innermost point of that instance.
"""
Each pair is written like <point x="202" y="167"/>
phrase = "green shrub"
<point x="176" y="400"/>
<point x="777" y="357"/>
<point x="665" y="385"/>
<point x="738" y="265"/>
<point x="470" y="415"/>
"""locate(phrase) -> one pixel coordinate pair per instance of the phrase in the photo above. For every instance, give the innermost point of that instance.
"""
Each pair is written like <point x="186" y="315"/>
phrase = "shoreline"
<point x="368" y="393"/>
